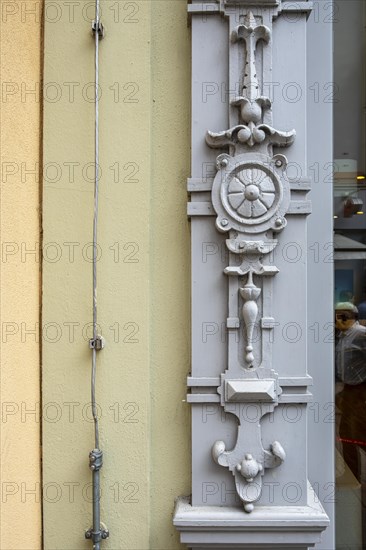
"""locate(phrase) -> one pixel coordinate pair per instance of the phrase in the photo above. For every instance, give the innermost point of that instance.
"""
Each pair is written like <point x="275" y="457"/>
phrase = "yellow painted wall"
<point x="20" y="33"/>
<point x="143" y="271"/>
<point x="169" y="267"/>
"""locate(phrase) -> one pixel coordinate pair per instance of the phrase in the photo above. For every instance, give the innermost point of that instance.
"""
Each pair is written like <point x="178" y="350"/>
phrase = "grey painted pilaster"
<point x="249" y="384"/>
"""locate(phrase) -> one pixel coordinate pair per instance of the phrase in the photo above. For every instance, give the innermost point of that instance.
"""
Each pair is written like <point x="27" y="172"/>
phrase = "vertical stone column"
<point x="249" y="371"/>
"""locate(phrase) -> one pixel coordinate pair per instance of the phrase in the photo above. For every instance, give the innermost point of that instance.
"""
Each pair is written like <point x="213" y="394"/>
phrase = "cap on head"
<point x="346" y="306"/>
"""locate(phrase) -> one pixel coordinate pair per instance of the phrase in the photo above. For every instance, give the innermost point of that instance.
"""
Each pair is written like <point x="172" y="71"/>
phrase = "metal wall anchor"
<point x="97" y="343"/>
<point x="101" y="30"/>
<point x="99" y="531"/>
<point x="97" y="536"/>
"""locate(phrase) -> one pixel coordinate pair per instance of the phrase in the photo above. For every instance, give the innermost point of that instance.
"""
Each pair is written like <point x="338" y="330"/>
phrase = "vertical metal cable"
<point x="98" y="531"/>
<point x="95" y="225"/>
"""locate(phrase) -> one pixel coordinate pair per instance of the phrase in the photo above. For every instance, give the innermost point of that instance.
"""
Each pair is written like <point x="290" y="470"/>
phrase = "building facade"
<point x="205" y="322"/>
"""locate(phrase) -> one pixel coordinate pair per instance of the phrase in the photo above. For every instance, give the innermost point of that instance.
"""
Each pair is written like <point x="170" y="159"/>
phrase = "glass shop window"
<point x="350" y="272"/>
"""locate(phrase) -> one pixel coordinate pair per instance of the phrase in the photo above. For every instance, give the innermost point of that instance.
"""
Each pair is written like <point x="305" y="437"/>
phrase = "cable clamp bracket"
<point x="97" y="536"/>
<point x="101" y="31"/>
<point x="95" y="460"/>
<point x="97" y="343"/>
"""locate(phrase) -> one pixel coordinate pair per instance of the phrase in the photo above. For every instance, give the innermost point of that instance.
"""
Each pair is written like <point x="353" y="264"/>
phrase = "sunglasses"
<point x="343" y="317"/>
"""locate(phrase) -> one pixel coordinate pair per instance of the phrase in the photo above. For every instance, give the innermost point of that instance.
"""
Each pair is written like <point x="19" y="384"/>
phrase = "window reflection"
<point x="350" y="400"/>
<point x="350" y="272"/>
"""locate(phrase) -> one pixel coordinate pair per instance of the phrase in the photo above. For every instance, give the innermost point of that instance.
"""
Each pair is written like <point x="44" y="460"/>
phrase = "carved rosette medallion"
<point x="250" y="194"/>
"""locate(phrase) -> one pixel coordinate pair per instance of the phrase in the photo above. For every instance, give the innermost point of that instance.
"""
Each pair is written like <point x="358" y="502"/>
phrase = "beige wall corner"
<point x="143" y="271"/>
<point x="21" y="51"/>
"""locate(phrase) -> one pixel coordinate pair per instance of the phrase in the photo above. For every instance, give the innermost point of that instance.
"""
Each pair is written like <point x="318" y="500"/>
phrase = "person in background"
<point x="350" y="350"/>
<point x="350" y="364"/>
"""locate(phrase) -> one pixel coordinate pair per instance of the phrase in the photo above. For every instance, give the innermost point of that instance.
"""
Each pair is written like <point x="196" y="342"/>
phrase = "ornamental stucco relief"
<point x="251" y="197"/>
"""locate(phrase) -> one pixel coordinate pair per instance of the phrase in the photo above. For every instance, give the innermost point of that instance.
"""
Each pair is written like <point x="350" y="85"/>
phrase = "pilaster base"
<point x="220" y="527"/>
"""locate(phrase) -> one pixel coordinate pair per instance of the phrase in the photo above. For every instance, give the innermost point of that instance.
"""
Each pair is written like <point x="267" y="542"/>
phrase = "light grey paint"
<point x="320" y="269"/>
<point x="214" y="496"/>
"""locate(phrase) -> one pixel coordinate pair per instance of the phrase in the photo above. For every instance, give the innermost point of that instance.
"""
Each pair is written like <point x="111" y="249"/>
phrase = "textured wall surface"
<point x="169" y="268"/>
<point x="20" y="49"/>
<point x="143" y="271"/>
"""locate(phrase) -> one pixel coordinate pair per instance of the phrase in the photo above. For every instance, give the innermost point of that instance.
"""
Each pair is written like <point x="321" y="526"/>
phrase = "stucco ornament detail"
<point x="250" y="194"/>
<point x="246" y="203"/>
<point x="249" y="470"/>
<point x="251" y="197"/>
<point x="250" y="293"/>
<point x="250" y="103"/>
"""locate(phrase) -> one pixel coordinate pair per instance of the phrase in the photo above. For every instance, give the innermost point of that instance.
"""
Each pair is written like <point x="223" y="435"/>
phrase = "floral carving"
<point x="251" y="193"/>
<point x="251" y="104"/>
<point x="251" y="197"/>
